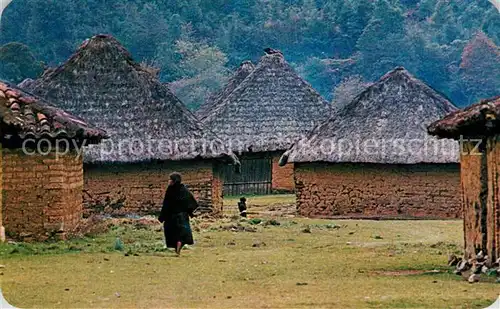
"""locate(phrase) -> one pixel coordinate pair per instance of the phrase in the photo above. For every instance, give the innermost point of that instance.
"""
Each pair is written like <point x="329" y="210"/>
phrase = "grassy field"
<point x="300" y="263"/>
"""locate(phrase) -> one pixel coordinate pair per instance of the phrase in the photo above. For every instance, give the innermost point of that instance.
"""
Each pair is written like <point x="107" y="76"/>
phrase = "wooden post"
<point x="493" y="205"/>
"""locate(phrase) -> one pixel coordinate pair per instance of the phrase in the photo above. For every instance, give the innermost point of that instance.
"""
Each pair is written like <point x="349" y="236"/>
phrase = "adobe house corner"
<point x="477" y="128"/>
<point x="41" y="188"/>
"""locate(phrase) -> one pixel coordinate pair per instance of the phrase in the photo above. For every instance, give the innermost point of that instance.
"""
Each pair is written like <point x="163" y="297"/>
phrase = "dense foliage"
<point x="17" y="63"/>
<point x="448" y="43"/>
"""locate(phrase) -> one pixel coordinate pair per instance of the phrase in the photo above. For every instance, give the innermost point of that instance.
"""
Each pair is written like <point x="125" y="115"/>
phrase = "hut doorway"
<point x="255" y="176"/>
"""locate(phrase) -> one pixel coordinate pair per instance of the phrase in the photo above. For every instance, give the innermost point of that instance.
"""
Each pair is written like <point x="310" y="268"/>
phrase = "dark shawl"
<point x="177" y="200"/>
<point x="178" y="205"/>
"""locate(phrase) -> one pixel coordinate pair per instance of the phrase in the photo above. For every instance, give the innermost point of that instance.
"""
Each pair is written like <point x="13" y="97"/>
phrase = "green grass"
<point x="267" y="205"/>
<point x="340" y="264"/>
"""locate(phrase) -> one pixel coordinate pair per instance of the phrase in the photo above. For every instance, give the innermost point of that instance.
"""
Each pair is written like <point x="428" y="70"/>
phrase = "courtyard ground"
<point x="281" y="262"/>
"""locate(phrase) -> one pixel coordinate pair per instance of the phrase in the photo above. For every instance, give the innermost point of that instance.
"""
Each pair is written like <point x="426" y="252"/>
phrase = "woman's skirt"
<point x="177" y="228"/>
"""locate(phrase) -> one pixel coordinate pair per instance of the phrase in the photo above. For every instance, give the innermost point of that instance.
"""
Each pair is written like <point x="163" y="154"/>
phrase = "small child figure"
<point x="242" y="207"/>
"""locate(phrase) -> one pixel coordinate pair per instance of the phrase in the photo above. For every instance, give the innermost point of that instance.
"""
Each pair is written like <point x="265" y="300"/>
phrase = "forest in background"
<point x="339" y="46"/>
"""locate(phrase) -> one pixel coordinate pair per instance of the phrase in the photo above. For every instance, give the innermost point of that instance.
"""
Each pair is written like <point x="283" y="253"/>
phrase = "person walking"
<point x="178" y="206"/>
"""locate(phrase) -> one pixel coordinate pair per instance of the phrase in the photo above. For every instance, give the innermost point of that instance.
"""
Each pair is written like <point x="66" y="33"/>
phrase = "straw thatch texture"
<point x="481" y="119"/>
<point x="102" y="83"/>
<point x="386" y="123"/>
<point x="243" y="71"/>
<point x="25" y="84"/>
<point x="24" y="116"/>
<point x="270" y="110"/>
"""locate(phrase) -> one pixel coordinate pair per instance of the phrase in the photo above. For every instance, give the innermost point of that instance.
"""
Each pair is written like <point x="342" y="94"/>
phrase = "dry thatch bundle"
<point x="386" y="123"/>
<point x="481" y="119"/>
<point x="271" y="109"/>
<point x="102" y="83"/>
<point x="24" y="116"/>
<point x="246" y="67"/>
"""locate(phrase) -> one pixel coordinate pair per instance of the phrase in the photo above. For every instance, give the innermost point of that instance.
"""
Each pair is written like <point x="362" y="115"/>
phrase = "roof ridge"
<point x="266" y="60"/>
<point x="470" y="121"/>
<point x="292" y="106"/>
<point x="91" y="44"/>
<point x="400" y="70"/>
<point x="245" y="68"/>
<point x="375" y="114"/>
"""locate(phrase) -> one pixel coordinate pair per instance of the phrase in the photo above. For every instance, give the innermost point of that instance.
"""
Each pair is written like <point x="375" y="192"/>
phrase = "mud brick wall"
<point x="282" y="177"/>
<point x="474" y="185"/>
<point x="2" y="229"/>
<point x="492" y="221"/>
<point x="371" y="190"/>
<point x="42" y="195"/>
<point x="140" y="187"/>
<point x="217" y="190"/>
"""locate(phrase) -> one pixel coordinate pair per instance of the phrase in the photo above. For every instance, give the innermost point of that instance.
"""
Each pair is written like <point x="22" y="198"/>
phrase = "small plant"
<point x="255" y="221"/>
<point x="118" y="244"/>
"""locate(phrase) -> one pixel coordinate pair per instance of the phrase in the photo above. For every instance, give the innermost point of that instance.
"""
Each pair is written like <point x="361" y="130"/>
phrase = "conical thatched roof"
<point x="270" y="110"/>
<point x="481" y="119"/>
<point x="386" y="123"/>
<point x="246" y="67"/>
<point x="102" y="83"/>
<point x="25" y="116"/>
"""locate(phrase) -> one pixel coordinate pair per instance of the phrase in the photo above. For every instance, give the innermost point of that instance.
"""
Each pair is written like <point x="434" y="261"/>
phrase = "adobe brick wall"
<point x="2" y="229"/>
<point x="474" y="185"/>
<point x="282" y="177"/>
<point x="217" y="191"/>
<point x="140" y="187"/>
<point x="41" y="194"/>
<point x="352" y="190"/>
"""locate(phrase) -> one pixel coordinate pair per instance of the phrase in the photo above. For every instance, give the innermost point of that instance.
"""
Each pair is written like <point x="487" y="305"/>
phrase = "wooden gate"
<point x="255" y="177"/>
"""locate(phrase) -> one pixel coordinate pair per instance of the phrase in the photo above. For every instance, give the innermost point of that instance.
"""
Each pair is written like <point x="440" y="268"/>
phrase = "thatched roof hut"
<point x="25" y="116"/>
<point x="385" y="124"/>
<point x="271" y="109"/>
<point x="102" y="83"/>
<point x="245" y="68"/>
<point x="478" y="120"/>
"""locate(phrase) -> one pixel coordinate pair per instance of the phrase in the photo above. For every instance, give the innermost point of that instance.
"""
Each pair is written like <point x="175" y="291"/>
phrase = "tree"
<point x="201" y="69"/>
<point x="350" y="20"/>
<point x="371" y="37"/>
<point x="444" y="22"/>
<point x="480" y="67"/>
<point x="18" y="63"/>
<point x="382" y="42"/>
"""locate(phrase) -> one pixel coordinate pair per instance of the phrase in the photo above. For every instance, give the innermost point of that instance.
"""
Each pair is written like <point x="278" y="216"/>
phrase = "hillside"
<point x="200" y="43"/>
